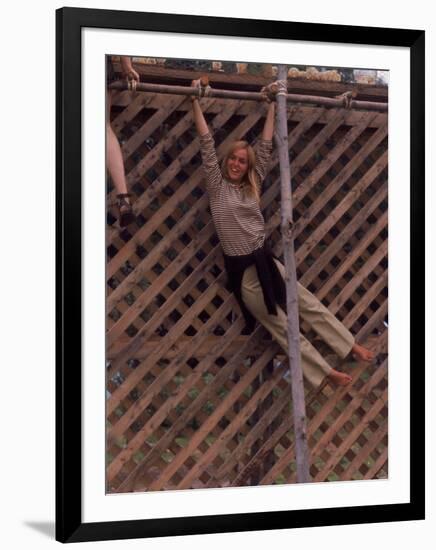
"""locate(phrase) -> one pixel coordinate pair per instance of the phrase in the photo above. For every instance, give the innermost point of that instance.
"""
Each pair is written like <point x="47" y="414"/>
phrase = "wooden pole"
<point x="333" y="102"/>
<point x="298" y="401"/>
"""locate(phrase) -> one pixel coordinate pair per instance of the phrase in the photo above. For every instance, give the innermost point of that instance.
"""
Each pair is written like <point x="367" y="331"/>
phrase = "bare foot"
<point x="362" y="354"/>
<point x="339" y="378"/>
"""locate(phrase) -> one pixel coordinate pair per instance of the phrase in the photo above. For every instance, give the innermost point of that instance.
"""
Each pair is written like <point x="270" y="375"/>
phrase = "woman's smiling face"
<point x="237" y="165"/>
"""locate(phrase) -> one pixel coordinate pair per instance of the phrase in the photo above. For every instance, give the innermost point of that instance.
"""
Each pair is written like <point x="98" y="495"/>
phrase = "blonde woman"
<point x="255" y="277"/>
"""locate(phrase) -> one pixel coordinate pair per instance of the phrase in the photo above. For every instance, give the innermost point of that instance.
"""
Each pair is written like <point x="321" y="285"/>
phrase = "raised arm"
<point x="200" y="121"/>
<point x="207" y="146"/>
<point x="264" y="146"/>
<point x="268" y="128"/>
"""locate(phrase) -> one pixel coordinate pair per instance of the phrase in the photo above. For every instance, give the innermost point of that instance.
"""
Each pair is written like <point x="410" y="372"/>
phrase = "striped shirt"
<point x="237" y="217"/>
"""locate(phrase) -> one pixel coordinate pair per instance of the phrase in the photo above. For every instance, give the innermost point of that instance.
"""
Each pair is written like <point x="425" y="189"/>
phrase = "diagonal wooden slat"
<point x="148" y="330"/>
<point x="138" y="306"/>
<point x="148" y="128"/>
<point x="215" y="417"/>
<point x="358" y="251"/>
<point x="351" y="437"/>
<point x="379" y="464"/>
<point x="360" y="275"/>
<point x="179" y="328"/>
<point x="183" y="354"/>
<point x="136" y="442"/>
<point x="242" y="416"/>
<point x="334" y="216"/>
<point x="132" y="109"/>
<point x="314" y="424"/>
<point x="154" y="389"/>
<point x="157" y="252"/>
<point x="344" y="236"/>
<point x="223" y="374"/>
<point x="365" y="452"/>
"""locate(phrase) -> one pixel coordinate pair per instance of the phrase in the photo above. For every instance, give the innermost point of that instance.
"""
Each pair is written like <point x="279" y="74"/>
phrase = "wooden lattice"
<point x="190" y="402"/>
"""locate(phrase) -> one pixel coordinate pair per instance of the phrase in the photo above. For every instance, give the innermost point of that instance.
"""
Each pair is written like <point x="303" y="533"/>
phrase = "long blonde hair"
<point x="251" y="179"/>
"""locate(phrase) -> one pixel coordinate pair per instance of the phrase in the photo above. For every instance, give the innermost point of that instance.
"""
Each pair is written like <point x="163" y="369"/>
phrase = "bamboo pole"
<point x="333" y="102"/>
<point x="298" y="402"/>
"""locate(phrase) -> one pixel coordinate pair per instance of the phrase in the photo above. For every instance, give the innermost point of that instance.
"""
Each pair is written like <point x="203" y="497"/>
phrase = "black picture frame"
<point x="69" y="525"/>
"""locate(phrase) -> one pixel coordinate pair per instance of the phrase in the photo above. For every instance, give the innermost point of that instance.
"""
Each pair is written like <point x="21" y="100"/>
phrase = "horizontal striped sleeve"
<point x="210" y="163"/>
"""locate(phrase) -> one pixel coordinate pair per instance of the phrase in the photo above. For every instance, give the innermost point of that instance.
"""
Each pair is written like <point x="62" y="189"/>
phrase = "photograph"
<point x="199" y="390"/>
<point x="239" y="275"/>
<point x="218" y="275"/>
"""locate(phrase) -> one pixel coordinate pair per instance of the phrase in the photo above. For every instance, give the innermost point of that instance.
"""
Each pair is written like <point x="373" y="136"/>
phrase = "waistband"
<point x="270" y="279"/>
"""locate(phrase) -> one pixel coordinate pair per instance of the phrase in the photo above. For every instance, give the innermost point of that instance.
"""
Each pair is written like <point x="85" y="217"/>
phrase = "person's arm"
<point x="127" y="68"/>
<point x="264" y="147"/>
<point x="268" y="128"/>
<point x="207" y="146"/>
<point x="200" y="121"/>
